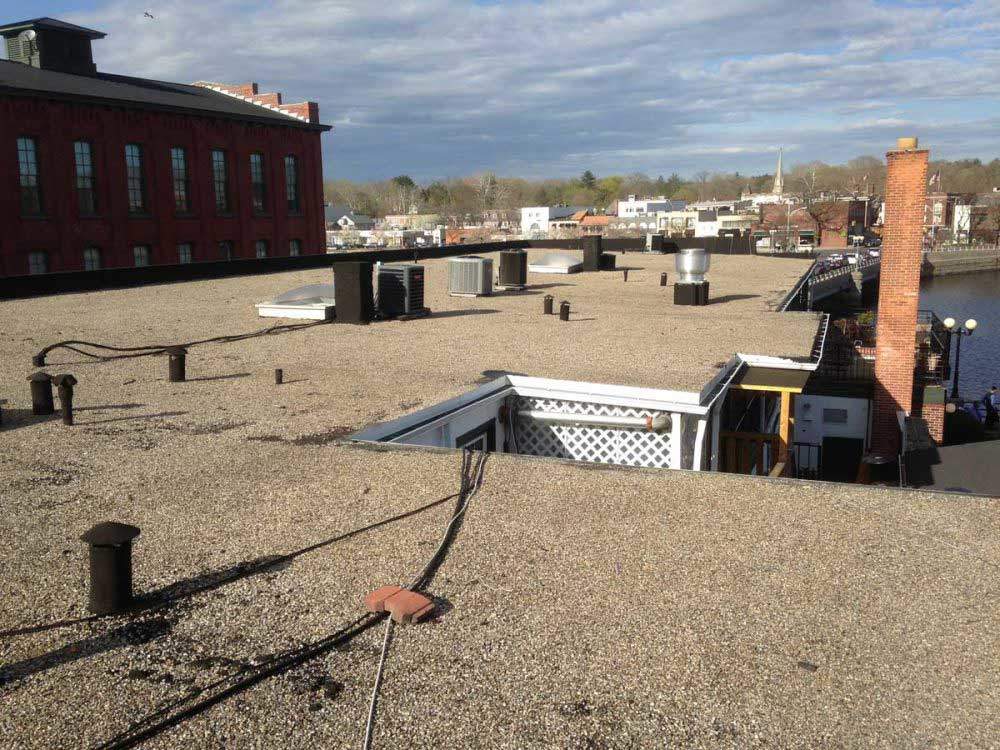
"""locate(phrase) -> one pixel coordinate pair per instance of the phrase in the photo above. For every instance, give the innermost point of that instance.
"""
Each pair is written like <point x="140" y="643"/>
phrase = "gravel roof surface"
<point x="579" y="606"/>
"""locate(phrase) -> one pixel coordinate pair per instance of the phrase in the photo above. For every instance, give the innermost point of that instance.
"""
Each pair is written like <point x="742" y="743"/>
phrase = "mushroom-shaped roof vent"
<point x="66" y="379"/>
<point x="40" y="377"/>
<point x="110" y="533"/>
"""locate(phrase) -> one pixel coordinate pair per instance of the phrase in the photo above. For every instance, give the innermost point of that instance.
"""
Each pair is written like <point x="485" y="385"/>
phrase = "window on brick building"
<point x="220" y="180"/>
<point x="295" y="247"/>
<point x="135" y="177"/>
<point x="260" y="248"/>
<point x="292" y="183"/>
<point x="258" y="184"/>
<point x="226" y="250"/>
<point x="140" y="255"/>
<point x="182" y="185"/>
<point x="29" y="175"/>
<point x="86" y="187"/>
<point x="92" y="259"/>
<point x="185" y="252"/>
<point x="38" y="262"/>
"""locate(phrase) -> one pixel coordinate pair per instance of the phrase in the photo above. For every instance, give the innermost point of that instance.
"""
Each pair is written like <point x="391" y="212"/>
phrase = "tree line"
<point x="485" y="194"/>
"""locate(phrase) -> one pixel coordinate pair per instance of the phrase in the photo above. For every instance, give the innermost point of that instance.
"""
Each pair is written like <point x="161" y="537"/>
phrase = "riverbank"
<point x="951" y="262"/>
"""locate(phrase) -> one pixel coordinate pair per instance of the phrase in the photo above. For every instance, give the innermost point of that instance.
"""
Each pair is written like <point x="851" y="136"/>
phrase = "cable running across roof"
<point x="472" y="480"/>
<point x="174" y="713"/>
<point x="128" y="352"/>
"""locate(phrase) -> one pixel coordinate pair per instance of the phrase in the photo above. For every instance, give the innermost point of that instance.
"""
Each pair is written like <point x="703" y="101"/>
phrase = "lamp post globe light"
<point x="965" y="329"/>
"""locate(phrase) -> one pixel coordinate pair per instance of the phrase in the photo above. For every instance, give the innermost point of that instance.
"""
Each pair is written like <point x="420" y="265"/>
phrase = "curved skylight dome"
<point x="556" y="263"/>
<point x="313" y="302"/>
<point x="309" y="294"/>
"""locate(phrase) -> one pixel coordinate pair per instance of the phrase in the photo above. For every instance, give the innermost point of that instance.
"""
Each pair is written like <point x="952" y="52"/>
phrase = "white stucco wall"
<point x="810" y="426"/>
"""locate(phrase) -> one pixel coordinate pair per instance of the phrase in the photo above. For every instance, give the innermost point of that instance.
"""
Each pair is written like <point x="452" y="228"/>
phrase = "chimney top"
<point x="906" y="144"/>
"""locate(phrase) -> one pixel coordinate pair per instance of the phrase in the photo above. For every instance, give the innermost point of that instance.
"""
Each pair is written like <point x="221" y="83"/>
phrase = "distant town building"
<point x="106" y="170"/>
<point x="540" y="220"/>
<point x="412" y="220"/>
<point x="595" y="224"/>
<point x="342" y="217"/>
<point x="820" y="223"/>
<point x="633" y="206"/>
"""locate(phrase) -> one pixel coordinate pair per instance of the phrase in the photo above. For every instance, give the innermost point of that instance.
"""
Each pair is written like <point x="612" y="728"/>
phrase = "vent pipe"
<point x="177" y="356"/>
<point x="41" y="393"/>
<point x="65" y="384"/>
<point x="110" y="566"/>
<point x="657" y="423"/>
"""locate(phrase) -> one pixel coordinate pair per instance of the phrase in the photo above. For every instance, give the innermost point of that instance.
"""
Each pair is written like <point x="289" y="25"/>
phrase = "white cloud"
<point x="437" y="87"/>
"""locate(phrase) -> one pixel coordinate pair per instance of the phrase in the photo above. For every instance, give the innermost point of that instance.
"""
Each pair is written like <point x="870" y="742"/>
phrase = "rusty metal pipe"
<point x="177" y="356"/>
<point x="41" y="393"/>
<point x="65" y="384"/>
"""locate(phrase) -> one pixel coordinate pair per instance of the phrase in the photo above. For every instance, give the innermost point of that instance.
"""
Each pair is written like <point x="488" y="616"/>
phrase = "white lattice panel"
<point x="607" y="445"/>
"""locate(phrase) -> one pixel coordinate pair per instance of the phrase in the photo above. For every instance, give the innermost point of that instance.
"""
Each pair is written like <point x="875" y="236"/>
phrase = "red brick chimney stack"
<point x="899" y="292"/>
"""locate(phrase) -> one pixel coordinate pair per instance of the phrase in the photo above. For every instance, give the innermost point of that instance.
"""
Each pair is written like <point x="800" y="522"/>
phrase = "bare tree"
<point x="490" y="192"/>
<point x="702" y="179"/>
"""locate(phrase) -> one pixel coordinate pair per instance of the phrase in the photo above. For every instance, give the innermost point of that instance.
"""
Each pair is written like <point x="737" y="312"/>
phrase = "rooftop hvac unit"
<point x="470" y="276"/>
<point x="401" y="289"/>
<point x="513" y="269"/>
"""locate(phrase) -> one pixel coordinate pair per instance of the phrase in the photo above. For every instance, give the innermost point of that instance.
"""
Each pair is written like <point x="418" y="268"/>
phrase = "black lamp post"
<point x="959" y="330"/>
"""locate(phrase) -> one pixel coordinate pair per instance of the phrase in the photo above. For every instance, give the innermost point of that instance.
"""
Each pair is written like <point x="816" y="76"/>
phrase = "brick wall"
<point x="933" y="415"/>
<point x="63" y="233"/>
<point x="899" y="293"/>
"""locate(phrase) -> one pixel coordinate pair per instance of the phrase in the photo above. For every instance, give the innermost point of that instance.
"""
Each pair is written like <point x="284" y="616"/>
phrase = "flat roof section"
<point x="623" y="606"/>
<point x="577" y="605"/>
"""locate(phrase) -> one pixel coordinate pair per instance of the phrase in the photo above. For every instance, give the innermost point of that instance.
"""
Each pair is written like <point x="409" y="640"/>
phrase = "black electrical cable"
<point x="162" y="719"/>
<point x="472" y="480"/>
<point x="242" y="571"/>
<point x="129" y="352"/>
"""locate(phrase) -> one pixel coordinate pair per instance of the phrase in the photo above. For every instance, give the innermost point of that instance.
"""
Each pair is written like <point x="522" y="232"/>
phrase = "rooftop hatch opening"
<point x="590" y="422"/>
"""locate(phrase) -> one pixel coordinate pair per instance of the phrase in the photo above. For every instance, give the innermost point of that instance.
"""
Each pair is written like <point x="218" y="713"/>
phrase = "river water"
<point x="972" y="295"/>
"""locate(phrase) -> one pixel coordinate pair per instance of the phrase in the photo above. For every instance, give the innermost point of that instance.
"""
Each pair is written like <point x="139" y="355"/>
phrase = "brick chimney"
<point x="899" y="293"/>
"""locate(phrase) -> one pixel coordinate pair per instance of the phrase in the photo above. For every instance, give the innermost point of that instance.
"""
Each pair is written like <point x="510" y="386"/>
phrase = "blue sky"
<point x="439" y="88"/>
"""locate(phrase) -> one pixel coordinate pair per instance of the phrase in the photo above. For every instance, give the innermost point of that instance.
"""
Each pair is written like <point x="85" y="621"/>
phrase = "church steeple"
<point x="779" y="178"/>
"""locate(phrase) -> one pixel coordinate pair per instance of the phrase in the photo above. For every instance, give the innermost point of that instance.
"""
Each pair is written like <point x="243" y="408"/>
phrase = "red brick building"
<point x="104" y="171"/>
<point x="823" y="223"/>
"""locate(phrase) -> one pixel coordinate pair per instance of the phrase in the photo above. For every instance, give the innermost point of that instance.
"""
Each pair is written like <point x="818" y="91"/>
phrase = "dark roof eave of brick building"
<point x="52" y="24"/>
<point x="17" y="79"/>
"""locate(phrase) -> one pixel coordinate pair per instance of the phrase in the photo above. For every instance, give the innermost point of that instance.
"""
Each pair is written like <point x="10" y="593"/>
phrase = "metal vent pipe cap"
<point x="110" y="534"/>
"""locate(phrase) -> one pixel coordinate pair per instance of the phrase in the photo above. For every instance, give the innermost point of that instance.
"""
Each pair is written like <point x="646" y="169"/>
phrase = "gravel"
<point x="578" y="607"/>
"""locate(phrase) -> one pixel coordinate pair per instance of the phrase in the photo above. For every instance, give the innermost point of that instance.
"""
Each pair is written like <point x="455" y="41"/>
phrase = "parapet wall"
<point x="13" y="287"/>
